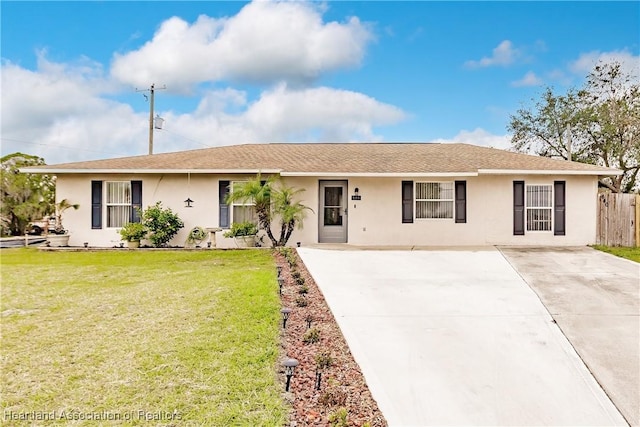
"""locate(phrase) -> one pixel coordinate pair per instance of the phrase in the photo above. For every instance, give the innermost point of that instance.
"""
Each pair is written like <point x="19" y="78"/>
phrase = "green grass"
<point x="115" y="333"/>
<point x="629" y="253"/>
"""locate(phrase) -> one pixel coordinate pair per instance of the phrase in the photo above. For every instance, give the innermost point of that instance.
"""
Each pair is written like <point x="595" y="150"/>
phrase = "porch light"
<point x="279" y="270"/>
<point x="285" y="315"/>
<point x="188" y="203"/>
<point x="289" y="368"/>
<point x="280" y="283"/>
<point x="356" y="194"/>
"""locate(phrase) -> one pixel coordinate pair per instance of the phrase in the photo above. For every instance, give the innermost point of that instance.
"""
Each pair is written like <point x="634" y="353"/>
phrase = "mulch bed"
<point x="342" y="385"/>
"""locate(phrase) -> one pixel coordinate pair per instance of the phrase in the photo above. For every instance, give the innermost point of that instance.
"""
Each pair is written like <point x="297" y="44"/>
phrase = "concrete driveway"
<point x="456" y="337"/>
<point x="595" y="298"/>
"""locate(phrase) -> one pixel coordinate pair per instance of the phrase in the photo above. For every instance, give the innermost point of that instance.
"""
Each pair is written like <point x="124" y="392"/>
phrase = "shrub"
<point x="301" y="301"/>
<point x="323" y="360"/>
<point x="339" y="418"/>
<point x="333" y="396"/>
<point x="312" y="336"/>
<point x="300" y="281"/>
<point x="296" y="274"/>
<point x="133" y="231"/>
<point x="303" y="289"/>
<point x="162" y="224"/>
<point x="240" y="229"/>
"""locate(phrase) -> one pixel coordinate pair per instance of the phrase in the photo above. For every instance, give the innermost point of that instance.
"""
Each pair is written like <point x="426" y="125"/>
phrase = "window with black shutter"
<point x="223" y="191"/>
<point x="518" y="208"/>
<point x="461" y="202"/>
<point x="407" y="201"/>
<point x="136" y="200"/>
<point x="559" y="208"/>
<point x="96" y="204"/>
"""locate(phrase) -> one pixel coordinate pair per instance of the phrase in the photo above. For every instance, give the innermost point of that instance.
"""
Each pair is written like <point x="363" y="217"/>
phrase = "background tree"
<point x="25" y="197"/>
<point x="609" y="123"/>
<point x="599" y="124"/>
<point x="271" y="201"/>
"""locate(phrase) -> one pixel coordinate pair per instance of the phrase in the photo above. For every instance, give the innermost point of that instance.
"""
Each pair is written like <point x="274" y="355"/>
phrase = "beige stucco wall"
<point x="374" y="220"/>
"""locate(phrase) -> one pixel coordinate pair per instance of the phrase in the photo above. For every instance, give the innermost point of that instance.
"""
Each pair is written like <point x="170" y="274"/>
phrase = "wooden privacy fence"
<point x="618" y="219"/>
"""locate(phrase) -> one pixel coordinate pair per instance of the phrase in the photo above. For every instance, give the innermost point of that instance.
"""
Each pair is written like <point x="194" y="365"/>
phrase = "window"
<point x="539" y="206"/>
<point x="243" y="210"/>
<point x="122" y="201"/>
<point x="118" y="203"/>
<point x="434" y="200"/>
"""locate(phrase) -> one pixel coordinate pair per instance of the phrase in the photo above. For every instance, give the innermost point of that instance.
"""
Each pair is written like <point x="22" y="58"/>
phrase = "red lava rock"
<point x="342" y="377"/>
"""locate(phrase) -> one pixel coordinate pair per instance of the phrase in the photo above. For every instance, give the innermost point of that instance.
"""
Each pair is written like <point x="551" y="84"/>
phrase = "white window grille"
<point x="434" y="200"/>
<point x="539" y="207"/>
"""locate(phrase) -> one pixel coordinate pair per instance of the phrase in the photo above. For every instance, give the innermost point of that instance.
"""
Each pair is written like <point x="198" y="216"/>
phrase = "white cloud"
<point x="279" y="115"/>
<point x="504" y="54"/>
<point x="60" y="113"/>
<point x="480" y="137"/>
<point x="529" y="79"/>
<point x="66" y="111"/>
<point x="265" y="42"/>
<point x="586" y="61"/>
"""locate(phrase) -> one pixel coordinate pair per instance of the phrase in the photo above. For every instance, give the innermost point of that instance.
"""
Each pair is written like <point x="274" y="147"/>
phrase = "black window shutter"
<point x="559" y="208"/>
<point x="461" y="202"/>
<point x="96" y="204"/>
<point x="136" y="200"/>
<point x="223" y="190"/>
<point x="518" y="208"/>
<point x="407" y="201"/>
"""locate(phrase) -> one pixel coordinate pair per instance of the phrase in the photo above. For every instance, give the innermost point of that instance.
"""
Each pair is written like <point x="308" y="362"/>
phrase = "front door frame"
<point x="333" y="233"/>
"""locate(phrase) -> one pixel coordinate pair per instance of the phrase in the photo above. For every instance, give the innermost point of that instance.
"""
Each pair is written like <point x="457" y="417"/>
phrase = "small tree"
<point x="25" y="196"/>
<point x="291" y="213"/>
<point x="162" y="224"/>
<point x="272" y="201"/>
<point x="60" y="208"/>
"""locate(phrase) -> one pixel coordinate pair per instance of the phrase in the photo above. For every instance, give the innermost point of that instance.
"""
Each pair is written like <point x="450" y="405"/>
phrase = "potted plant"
<point x="59" y="236"/>
<point x="196" y="236"/>
<point x="244" y="234"/>
<point x="132" y="233"/>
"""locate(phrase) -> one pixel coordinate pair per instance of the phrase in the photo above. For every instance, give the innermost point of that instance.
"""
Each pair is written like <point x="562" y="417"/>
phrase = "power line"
<point x="184" y="137"/>
<point x="60" y="146"/>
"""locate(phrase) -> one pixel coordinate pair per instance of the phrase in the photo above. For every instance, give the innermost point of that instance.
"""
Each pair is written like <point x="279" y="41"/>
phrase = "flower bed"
<point x="313" y="337"/>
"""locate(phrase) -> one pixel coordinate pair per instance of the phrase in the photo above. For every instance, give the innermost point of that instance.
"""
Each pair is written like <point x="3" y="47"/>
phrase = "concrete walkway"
<point x="456" y="337"/>
<point x="595" y="298"/>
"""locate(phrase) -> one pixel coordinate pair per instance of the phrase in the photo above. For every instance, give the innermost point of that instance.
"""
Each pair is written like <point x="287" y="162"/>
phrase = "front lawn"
<point x="629" y="253"/>
<point x="136" y="337"/>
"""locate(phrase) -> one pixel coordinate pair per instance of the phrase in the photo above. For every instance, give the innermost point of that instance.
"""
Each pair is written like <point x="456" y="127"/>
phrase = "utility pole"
<point x="152" y="90"/>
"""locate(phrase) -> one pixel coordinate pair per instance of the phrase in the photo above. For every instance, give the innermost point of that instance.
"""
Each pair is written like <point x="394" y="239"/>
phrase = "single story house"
<point x="385" y="194"/>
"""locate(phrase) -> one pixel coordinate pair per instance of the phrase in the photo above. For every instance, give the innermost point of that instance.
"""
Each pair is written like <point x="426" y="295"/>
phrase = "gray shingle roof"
<point x="333" y="158"/>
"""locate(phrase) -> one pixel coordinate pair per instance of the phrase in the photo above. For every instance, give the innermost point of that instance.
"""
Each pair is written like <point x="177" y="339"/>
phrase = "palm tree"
<point x="60" y="207"/>
<point x="271" y="202"/>
<point x="291" y="213"/>
<point x="259" y="192"/>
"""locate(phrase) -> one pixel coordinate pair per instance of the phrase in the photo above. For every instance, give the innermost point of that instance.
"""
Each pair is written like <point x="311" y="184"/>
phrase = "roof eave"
<point x="378" y="174"/>
<point x="146" y="171"/>
<point x="548" y="172"/>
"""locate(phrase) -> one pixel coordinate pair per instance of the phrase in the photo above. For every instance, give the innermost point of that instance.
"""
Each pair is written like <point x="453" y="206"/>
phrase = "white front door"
<point x="333" y="212"/>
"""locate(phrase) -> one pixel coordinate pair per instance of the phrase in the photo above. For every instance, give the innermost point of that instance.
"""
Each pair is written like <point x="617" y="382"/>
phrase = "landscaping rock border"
<point x="344" y="398"/>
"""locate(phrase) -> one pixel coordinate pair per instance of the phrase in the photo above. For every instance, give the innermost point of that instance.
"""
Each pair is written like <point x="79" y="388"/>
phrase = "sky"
<point x="75" y="75"/>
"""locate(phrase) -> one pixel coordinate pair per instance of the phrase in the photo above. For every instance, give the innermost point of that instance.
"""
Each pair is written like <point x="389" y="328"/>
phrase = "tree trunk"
<point x="263" y="219"/>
